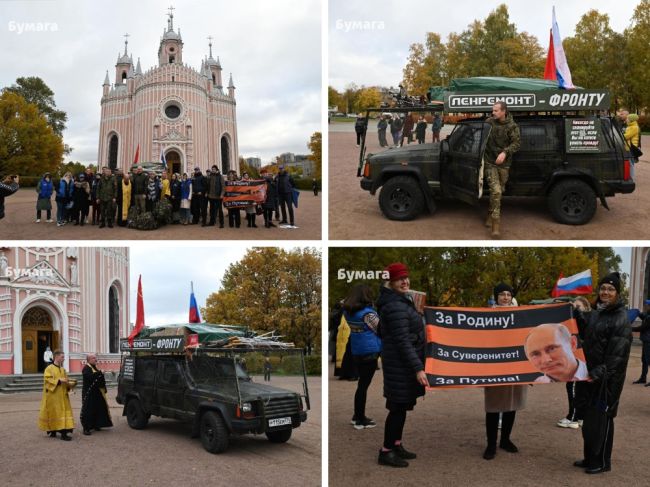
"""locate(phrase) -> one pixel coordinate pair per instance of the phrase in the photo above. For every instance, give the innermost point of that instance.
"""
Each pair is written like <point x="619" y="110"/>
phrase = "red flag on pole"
<point x="137" y="155"/>
<point x="139" y="314"/>
<point x="550" y="71"/>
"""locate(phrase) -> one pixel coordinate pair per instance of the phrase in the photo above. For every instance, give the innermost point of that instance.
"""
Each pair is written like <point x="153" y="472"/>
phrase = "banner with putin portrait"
<point x="478" y="347"/>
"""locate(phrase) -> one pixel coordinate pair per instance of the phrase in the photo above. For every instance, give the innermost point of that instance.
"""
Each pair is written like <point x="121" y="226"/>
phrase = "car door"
<point x="463" y="166"/>
<point x="171" y="389"/>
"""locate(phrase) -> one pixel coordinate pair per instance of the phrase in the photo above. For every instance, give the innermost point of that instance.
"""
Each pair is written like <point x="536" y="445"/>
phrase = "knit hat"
<point x="613" y="278"/>
<point x="397" y="271"/>
<point x="501" y="287"/>
<point x="632" y="117"/>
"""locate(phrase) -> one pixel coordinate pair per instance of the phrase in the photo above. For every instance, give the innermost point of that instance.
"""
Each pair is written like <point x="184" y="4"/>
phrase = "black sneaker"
<point x="391" y="459"/>
<point x="508" y="446"/>
<point x="353" y="421"/>
<point x="404" y="453"/>
<point x="65" y="437"/>
<point x="365" y="423"/>
<point x="489" y="453"/>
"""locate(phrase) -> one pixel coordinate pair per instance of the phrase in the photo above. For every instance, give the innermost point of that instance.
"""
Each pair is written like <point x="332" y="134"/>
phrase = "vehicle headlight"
<point x="247" y="407"/>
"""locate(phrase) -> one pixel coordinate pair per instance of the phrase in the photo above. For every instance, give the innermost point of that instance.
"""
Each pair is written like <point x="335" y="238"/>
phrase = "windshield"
<point x="215" y="370"/>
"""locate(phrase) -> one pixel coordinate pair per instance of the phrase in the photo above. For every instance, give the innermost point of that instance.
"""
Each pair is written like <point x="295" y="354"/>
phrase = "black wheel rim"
<point x="573" y="204"/>
<point x="208" y="431"/>
<point x="400" y="200"/>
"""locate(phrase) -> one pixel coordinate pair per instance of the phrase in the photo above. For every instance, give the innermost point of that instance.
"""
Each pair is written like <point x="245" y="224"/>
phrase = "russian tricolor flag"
<point x="557" y="67"/>
<point x="195" y="315"/>
<point x="576" y="284"/>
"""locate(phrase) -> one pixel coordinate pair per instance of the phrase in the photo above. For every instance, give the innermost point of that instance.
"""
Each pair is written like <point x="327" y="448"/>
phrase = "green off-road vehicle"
<point x="570" y="159"/>
<point x="209" y="388"/>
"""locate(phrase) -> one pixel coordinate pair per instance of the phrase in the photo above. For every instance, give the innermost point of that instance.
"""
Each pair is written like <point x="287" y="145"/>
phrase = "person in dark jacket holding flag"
<point x="365" y="346"/>
<point x="607" y="341"/>
<point x="402" y="334"/>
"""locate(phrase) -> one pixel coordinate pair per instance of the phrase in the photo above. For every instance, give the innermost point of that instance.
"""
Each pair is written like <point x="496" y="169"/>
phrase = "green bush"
<point x="313" y="364"/>
<point x="304" y="184"/>
<point x="644" y="123"/>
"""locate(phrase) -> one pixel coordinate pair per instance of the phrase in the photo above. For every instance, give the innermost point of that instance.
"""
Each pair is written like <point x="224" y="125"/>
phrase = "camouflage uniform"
<point x="504" y="137"/>
<point x="106" y="194"/>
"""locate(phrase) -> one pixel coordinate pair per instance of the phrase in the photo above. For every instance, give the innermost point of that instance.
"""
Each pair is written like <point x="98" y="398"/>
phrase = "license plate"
<point x="279" y="422"/>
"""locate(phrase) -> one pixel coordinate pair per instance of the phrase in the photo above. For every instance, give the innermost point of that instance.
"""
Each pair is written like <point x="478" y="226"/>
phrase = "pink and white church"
<point x="171" y="109"/>
<point x="75" y="299"/>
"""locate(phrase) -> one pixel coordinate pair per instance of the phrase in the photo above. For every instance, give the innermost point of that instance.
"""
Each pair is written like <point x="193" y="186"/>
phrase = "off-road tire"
<point x="213" y="431"/>
<point x="135" y="415"/>
<point x="401" y="198"/>
<point x="572" y="202"/>
<point x="281" y="436"/>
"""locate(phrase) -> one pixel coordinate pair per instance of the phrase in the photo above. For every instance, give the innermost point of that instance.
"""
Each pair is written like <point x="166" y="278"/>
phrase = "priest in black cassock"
<point x="94" y="407"/>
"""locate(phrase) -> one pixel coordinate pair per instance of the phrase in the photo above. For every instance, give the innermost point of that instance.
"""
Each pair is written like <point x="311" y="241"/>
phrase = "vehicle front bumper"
<point x="366" y="184"/>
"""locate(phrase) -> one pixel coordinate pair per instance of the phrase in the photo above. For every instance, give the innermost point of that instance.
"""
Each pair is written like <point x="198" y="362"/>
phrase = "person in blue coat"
<point x="45" y="189"/>
<point x="363" y="321"/>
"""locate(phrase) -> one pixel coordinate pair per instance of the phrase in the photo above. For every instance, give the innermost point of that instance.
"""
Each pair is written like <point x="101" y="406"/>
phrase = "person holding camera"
<point x="8" y="186"/>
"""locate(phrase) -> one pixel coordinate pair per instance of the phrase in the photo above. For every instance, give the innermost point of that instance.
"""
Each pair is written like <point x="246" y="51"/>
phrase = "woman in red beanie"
<point x="402" y="334"/>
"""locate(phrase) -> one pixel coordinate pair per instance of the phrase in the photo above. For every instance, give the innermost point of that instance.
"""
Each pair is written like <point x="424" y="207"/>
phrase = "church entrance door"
<point x="38" y="334"/>
<point x="173" y="162"/>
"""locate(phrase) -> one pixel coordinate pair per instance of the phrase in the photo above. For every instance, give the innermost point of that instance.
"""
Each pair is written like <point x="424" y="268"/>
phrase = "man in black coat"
<point x="607" y="342"/>
<point x="199" y="188"/>
<point x="285" y="195"/>
<point x="402" y="333"/>
<point x="215" y="191"/>
<point x="8" y="186"/>
<point x="94" y="408"/>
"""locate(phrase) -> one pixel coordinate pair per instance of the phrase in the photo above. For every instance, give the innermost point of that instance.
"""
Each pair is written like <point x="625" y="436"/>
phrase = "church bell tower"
<point x="171" y="43"/>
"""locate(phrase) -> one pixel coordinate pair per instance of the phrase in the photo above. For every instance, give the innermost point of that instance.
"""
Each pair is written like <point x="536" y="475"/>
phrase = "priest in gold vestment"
<point x="56" y="413"/>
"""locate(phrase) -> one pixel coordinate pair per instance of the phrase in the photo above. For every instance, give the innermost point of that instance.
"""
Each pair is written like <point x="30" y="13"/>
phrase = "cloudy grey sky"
<point x="166" y="274"/>
<point x="376" y="56"/>
<point x="273" y="50"/>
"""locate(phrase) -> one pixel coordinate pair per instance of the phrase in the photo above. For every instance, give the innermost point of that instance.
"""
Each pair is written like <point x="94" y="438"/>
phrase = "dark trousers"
<point x="645" y="359"/>
<point x="268" y="216"/>
<point x="197" y="208"/>
<point x="267" y="375"/>
<point x="216" y="210"/>
<point x="366" y="370"/>
<point x="49" y="214"/>
<point x="234" y="218"/>
<point x="492" y="427"/>
<point x="286" y="199"/>
<point x="394" y="427"/>
<point x="598" y="436"/>
<point x="359" y="137"/>
<point x="575" y="412"/>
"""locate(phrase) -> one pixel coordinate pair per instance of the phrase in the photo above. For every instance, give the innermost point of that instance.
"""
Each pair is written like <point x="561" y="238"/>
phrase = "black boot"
<point x="508" y="420"/>
<point x="87" y="432"/>
<point x="640" y="381"/>
<point x="64" y="436"/>
<point x="404" y="453"/>
<point x="248" y="221"/>
<point x="391" y="459"/>
<point x="253" y="221"/>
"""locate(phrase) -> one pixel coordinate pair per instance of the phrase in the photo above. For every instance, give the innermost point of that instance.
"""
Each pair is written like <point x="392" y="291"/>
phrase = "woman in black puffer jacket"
<point x="402" y="333"/>
<point x="607" y="341"/>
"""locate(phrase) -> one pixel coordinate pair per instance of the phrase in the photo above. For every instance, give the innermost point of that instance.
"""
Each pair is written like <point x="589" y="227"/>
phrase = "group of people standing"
<point x="55" y="415"/>
<point x="192" y="199"/>
<point x="392" y="328"/>
<point x="404" y="127"/>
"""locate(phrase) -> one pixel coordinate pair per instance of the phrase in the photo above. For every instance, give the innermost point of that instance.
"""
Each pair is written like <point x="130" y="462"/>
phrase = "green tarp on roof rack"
<point x="489" y="83"/>
<point x="207" y="331"/>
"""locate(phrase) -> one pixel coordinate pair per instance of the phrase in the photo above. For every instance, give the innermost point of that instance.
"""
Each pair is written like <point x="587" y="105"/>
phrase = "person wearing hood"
<point x="402" y="334"/>
<point x="502" y="143"/>
<point x="44" y="188"/>
<point x="502" y="401"/>
<point x="632" y="133"/>
<point x="607" y="339"/>
<point x="81" y="200"/>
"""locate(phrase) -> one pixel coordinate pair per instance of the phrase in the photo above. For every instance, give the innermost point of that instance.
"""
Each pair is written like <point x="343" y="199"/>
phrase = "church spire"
<point x="107" y="81"/>
<point x="138" y="69"/>
<point x="170" y="20"/>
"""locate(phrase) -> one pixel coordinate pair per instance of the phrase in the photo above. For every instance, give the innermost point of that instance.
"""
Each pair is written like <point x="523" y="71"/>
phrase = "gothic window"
<point x="112" y="152"/>
<point x="225" y="155"/>
<point x="171" y="59"/>
<point x="113" y="321"/>
<point x="172" y="111"/>
<point x="214" y="79"/>
<point x="123" y="76"/>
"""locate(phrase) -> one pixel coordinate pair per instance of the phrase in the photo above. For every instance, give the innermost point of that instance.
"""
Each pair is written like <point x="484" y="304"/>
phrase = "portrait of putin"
<point x="551" y="349"/>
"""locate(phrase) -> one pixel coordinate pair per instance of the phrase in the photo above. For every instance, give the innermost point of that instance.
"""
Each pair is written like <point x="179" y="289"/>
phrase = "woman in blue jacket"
<point x="45" y="188"/>
<point x="365" y="345"/>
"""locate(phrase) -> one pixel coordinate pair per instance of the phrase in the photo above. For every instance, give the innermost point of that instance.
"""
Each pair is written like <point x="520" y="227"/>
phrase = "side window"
<point x="466" y="138"/>
<point x="539" y="137"/>
<point x="145" y="372"/>
<point x="170" y="374"/>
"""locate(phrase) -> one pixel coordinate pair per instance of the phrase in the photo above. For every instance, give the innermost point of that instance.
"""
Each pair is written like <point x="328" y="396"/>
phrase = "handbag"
<point x="636" y="152"/>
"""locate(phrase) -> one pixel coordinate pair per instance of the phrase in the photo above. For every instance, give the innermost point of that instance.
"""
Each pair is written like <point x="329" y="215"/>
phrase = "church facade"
<point x="171" y="112"/>
<point x="75" y="299"/>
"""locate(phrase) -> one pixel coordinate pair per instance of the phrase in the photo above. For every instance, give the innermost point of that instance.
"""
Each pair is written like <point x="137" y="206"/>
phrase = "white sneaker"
<point x="38" y="220"/>
<point x="50" y="221"/>
<point x="564" y="423"/>
<point x="573" y="425"/>
<point x="579" y="422"/>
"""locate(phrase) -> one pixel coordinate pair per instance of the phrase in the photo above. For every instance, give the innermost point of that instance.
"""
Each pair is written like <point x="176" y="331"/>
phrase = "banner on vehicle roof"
<point x="538" y="101"/>
<point x="478" y="347"/>
<point x="155" y="344"/>
<point x="240" y="194"/>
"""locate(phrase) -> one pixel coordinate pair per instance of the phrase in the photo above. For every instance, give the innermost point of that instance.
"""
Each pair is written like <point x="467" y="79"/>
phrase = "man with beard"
<point x="94" y="408"/>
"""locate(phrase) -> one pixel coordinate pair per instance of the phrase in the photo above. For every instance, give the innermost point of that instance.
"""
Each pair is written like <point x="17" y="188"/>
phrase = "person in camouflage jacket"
<point x="106" y="197"/>
<point x="502" y="143"/>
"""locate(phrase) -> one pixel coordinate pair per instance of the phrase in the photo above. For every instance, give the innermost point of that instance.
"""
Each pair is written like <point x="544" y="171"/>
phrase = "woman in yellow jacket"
<point x="632" y="132"/>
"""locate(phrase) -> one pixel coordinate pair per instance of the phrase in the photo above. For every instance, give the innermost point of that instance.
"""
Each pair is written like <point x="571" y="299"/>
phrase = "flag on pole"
<point x="136" y="159"/>
<point x="576" y="284"/>
<point x="195" y="315"/>
<point x="139" y="314"/>
<point x="556" y="59"/>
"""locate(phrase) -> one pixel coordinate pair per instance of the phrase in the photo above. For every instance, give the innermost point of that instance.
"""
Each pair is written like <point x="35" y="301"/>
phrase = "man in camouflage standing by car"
<point x="502" y="143"/>
<point x="106" y="194"/>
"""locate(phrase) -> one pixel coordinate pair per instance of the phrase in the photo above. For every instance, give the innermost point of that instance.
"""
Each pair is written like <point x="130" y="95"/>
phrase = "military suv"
<point x="570" y="160"/>
<point x="212" y="392"/>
